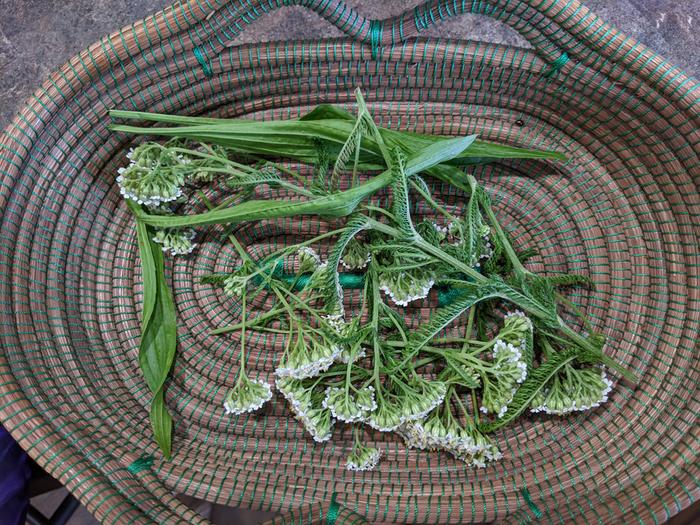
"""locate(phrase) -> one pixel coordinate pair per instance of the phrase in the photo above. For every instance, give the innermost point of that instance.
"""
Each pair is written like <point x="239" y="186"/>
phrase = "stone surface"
<point x="37" y="36"/>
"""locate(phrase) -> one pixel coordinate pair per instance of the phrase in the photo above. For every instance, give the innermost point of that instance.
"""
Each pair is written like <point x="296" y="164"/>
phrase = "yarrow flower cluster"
<point x="363" y="458"/>
<point x="465" y="443"/>
<point x="316" y="420"/>
<point x="308" y="259"/>
<point x="247" y="396"/>
<point x="421" y="398"/>
<point x="405" y="287"/>
<point x="237" y="281"/>
<point x="356" y="255"/>
<point x="176" y="241"/>
<point x="573" y="390"/>
<point x="350" y="407"/>
<point x="307" y="357"/>
<point x="509" y="366"/>
<point x="153" y="176"/>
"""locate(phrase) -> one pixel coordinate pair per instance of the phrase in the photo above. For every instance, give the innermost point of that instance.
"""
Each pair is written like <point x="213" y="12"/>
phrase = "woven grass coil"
<point x="625" y="210"/>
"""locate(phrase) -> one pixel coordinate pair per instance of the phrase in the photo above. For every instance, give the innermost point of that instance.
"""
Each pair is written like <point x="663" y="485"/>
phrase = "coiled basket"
<point x="625" y="210"/>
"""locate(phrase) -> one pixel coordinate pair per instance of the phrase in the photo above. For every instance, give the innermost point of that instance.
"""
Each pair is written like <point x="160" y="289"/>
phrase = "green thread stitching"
<point x="202" y="61"/>
<point x="555" y="66"/>
<point x="376" y="29"/>
<point x="533" y="507"/>
<point x="332" y="514"/>
<point x="143" y="463"/>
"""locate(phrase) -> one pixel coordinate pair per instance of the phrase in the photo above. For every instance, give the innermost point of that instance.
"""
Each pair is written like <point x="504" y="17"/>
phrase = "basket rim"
<point x="19" y="416"/>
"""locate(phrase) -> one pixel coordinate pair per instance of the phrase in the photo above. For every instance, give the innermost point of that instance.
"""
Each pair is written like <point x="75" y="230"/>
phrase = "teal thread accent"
<point x="376" y="29"/>
<point x="555" y="66"/>
<point x="348" y="281"/>
<point x="332" y="515"/>
<point x="143" y="463"/>
<point x="202" y="61"/>
<point x="528" y="499"/>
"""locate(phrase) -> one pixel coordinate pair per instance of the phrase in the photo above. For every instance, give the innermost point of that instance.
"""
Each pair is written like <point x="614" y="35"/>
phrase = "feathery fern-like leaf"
<point x="442" y="317"/>
<point x="333" y="291"/>
<point x="569" y="279"/>
<point x="400" y="204"/>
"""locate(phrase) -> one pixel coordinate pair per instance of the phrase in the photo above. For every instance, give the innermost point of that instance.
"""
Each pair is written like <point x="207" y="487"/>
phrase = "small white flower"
<point x="247" y="396"/>
<point x="176" y="241"/>
<point x="363" y="458"/>
<point x="308" y="259"/>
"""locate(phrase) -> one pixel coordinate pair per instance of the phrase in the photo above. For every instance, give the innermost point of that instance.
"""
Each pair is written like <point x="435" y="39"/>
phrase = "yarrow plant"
<point x="446" y="336"/>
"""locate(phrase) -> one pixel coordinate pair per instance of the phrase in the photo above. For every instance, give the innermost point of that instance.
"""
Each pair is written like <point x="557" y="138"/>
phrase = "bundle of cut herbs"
<point x="493" y="345"/>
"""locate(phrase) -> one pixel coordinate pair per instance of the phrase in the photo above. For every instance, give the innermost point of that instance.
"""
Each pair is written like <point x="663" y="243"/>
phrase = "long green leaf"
<point x="333" y="205"/>
<point x="161" y="423"/>
<point x="148" y="270"/>
<point x="295" y="138"/>
<point x="437" y="153"/>
<point x="159" y="338"/>
<point x="158" y="333"/>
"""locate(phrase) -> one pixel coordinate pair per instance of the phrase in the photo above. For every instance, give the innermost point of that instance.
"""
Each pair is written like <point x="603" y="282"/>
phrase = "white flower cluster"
<point x="247" y="396"/>
<point x="413" y="406"/>
<point x="428" y="396"/>
<point x="573" y="390"/>
<point x="148" y="182"/>
<point x="308" y="358"/>
<point x="465" y="443"/>
<point x="510" y="368"/>
<point x="363" y="458"/>
<point x="337" y="323"/>
<point x="348" y="354"/>
<point x="235" y="284"/>
<point x="386" y="418"/>
<point x="356" y="256"/>
<point x="316" y="420"/>
<point x="349" y="408"/>
<point x="308" y="259"/>
<point x="176" y="241"/>
<point x="509" y="357"/>
<point x="404" y="287"/>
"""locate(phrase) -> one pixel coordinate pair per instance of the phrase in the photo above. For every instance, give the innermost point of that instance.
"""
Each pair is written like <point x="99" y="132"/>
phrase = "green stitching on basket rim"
<point x="332" y="514"/>
<point x="376" y="30"/>
<point x="533" y="507"/>
<point x="199" y="55"/>
<point x="555" y="66"/>
<point x="143" y="463"/>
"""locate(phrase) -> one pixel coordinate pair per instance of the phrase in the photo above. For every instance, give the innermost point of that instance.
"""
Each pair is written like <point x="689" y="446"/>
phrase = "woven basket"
<point x="624" y="209"/>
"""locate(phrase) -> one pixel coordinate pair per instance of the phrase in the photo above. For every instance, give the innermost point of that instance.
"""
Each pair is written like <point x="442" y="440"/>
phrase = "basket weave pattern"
<point x="625" y="209"/>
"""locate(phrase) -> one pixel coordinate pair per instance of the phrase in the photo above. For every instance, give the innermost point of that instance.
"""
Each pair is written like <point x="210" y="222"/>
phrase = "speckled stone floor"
<point x="36" y="36"/>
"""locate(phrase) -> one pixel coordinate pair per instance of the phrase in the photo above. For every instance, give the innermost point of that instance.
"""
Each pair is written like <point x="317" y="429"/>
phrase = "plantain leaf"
<point x="158" y="332"/>
<point x="337" y="204"/>
<point x="326" y="112"/>
<point x="148" y="269"/>
<point x="159" y="337"/>
<point x="161" y="423"/>
<point x="436" y="153"/>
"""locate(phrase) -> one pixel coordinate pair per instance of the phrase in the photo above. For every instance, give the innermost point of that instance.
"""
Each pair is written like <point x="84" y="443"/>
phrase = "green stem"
<point x="243" y="317"/>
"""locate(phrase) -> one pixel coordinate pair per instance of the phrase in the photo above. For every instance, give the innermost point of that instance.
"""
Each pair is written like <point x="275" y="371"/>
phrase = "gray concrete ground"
<point x="36" y="36"/>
